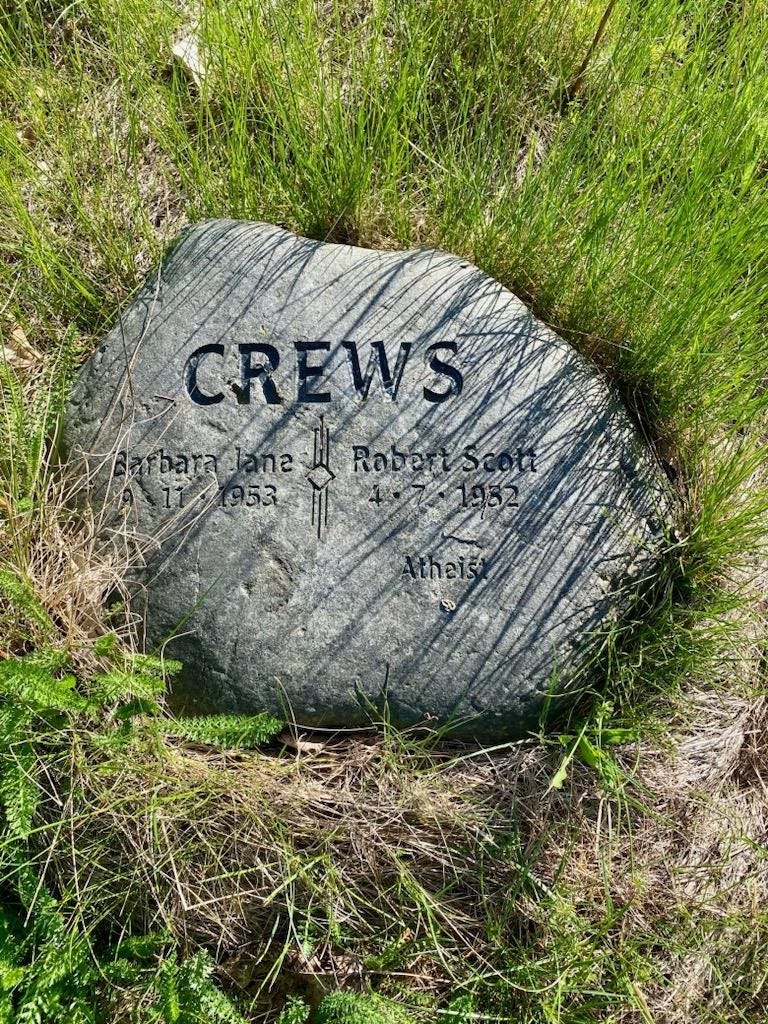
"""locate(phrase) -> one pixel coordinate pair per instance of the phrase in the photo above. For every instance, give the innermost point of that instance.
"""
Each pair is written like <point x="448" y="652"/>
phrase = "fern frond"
<point x="138" y="706"/>
<point x="119" y="684"/>
<point x="11" y="951"/>
<point x="23" y="680"/>
<point x="122" y="971"/>
<point x="151" y="664"/>
<point x="14" y="725"/>
<point x="50" y="972"/>
<point x="234" y="731"/>
<point x="168" y="991"/>
<point x="14" y="426"/>
<point x="144" y="947"/>
<point x="59" y="974"/>
<point x="11" y="974"/>
<point x="49" y="658"/>
<point x="294" y="1011"/>
<point x="46" y="921"/>
<point x="197" y="990"/>
<point x="24" y="603"/>
<point x="354" y="1008"/>
<point x="19" y="792"/>
<point x="27" y="425"/>
<point x="7" y="1011"/>
<point x="105" y="644"/>
<point x="217" y="1008"/>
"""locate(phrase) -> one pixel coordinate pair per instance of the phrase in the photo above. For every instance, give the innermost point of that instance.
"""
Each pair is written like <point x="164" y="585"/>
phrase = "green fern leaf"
<point x="195" y="971"/>
<point x="7" y="1011"/>
<point x="197" y="992"/>
<point x="14" y="425"/>
<point x="149" y="663"/>
<point x="28" y="424"/>
<point x="58" y="975"/>
<point x="19" y="792"/>
<point x="122" y="971"/>
<point x="105" y="645"/>
<point x="119" y="684"/>
<point x="12" y="970"/>
<point x="232" y="731"/>
<point x="218" y="1009"/>
<point x="11" y="975"/>
<point x="168" y="991"/>
<point x="20" y="594"/>
<point x="138" y="706"/>
<point x="48" y="658"/>
<point x="352" y="1008"/>
<point x="14" y="725"/>
<point x="46" y="921"/>
<point x="33" y="685"/>
<point x="294" y="1011"/>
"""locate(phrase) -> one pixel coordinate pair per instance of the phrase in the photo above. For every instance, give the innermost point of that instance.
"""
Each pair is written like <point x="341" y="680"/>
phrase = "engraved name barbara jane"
<point x="470" y="477"/>
<point x="469" y="458"/>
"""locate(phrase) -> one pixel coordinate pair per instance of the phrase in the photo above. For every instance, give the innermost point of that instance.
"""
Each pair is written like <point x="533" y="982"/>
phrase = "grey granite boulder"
<point x="362" y="480"/>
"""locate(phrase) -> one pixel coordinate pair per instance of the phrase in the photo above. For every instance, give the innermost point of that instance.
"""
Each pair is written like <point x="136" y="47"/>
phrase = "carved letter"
<point x="361" y="453"/>
<point x="445" y="369"/>
<point x="190" y="375"/>
<point x="303" y="394"/>
<point x="363" y="384"/>
<point x="261" y="371"/>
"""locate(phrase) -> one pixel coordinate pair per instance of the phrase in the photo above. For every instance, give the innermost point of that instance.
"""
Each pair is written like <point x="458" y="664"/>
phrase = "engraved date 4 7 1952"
<point x="482" y="497"/>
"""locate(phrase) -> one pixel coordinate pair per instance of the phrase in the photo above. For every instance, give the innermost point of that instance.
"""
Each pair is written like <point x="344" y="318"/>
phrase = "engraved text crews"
<point x="258" y="363"/>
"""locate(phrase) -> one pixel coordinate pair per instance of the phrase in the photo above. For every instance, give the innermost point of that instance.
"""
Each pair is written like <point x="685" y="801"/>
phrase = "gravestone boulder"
<point x="362" y="481"/>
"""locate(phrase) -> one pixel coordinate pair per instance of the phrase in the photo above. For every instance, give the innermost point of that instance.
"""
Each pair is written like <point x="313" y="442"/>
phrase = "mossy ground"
<point x="609" y="163"/>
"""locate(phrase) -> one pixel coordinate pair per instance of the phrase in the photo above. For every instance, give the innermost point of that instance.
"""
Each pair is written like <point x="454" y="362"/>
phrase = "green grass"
<point x="627" y="203"/>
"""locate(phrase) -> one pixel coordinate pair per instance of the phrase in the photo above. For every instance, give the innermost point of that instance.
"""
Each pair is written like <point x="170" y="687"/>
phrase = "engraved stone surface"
<point x="362" y="479"/>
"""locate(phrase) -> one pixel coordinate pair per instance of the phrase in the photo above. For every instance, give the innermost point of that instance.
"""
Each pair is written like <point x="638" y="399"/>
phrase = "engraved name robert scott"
<point x="364" y="459"/>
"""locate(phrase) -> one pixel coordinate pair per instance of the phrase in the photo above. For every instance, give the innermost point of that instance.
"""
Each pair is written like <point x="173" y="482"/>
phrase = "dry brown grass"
<point x="58" y="573"/>
<point x="375" y="862"/>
